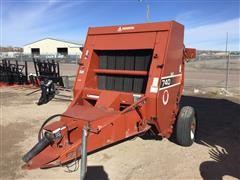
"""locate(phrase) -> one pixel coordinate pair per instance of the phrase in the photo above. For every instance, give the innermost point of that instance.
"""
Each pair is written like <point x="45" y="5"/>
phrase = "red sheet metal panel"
<point x="122" y="29"/>
<point x="125" y="41"/>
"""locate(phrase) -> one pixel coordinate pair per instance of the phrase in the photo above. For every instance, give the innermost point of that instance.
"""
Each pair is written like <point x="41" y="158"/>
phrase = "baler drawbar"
<point x="130" y="80"/>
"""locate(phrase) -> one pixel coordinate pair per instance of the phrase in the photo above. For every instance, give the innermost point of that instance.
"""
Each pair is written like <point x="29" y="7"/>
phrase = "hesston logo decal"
<point x="120" y="29"/>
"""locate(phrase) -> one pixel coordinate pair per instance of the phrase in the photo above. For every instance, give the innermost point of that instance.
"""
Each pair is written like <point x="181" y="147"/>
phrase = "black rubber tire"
<point x="185" y="120"/>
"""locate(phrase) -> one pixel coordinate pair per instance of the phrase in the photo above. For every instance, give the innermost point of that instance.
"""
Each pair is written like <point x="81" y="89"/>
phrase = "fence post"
<point x="227" y="71"/>
<point x="66" y="82"/>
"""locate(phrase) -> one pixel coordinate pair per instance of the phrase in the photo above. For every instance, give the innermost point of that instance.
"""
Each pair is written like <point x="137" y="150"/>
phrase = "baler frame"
<point x="104" y="106"/>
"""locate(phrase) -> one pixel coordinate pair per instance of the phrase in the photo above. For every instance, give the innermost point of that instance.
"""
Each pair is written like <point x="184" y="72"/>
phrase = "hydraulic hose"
<point x="46" y="121"/>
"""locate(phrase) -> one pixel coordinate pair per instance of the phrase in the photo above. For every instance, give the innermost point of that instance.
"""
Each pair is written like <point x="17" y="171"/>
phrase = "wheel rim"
<point x="192" y="130"/>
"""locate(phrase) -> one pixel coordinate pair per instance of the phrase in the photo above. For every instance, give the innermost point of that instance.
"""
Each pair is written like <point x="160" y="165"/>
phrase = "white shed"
<point x="52" y="47"/>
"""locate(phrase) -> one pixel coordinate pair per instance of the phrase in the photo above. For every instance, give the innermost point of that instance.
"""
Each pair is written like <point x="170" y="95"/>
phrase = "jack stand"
<point x="83" y="169"/>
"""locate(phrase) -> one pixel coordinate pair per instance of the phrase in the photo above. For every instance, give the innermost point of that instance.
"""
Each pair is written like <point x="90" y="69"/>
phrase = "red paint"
<point x="100" y="110"/>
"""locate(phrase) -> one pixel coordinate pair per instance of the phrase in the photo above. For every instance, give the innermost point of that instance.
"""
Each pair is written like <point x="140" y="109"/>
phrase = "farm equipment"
<point x="48" y="77"/>
<point x="48" y="69"/>
<point x="13" y="73"/>
<point x="129" y="81"/>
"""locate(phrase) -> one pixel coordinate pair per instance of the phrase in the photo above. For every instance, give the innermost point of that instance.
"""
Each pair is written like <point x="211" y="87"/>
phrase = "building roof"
<point x="80" y="44"/>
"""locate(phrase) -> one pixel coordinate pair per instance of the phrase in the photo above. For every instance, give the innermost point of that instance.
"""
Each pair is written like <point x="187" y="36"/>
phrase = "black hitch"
<point x="42" y="144"/>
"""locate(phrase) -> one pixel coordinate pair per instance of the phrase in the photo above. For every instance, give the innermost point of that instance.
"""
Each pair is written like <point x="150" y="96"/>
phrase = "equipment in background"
<point x="13" y="73"/>
<point x="48" y="91"/>
<point x="48" y="77"/>
<point x="48" y="69"/>
<point x="129" y="81"/>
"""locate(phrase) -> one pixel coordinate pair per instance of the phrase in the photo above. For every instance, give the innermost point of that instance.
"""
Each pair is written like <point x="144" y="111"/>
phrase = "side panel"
<point x="170" y="88"/>
<point x="85" y="75"/>
<point x="155" y="73"/>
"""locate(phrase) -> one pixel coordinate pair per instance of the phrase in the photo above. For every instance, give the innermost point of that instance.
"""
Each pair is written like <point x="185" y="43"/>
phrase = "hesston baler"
<point x="129" y="81"/>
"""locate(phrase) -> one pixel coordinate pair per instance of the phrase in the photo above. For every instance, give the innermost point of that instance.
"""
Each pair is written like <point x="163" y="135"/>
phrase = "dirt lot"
<point x="215" y="154"/>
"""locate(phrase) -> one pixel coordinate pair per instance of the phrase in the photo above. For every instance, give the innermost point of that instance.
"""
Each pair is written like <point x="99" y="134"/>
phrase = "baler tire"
<point x="186" y="126"/>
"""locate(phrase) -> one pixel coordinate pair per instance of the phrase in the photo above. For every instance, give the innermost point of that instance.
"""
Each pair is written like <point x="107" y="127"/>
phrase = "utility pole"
<point x="148" y="13"/>
<point x="226" y="49"/>
<point x="228" y="59"/>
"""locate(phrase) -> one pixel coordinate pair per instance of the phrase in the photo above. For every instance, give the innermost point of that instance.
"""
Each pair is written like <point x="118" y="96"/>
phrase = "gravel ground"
<point x="215" y="154"/>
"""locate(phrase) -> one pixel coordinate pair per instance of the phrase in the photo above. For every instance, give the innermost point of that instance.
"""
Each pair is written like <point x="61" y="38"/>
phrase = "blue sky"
<point x="206" y="21"/>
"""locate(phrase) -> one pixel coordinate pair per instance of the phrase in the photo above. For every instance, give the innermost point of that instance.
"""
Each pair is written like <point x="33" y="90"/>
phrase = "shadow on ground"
<point x="218" y="129"/>
<point x="96" y="172"/>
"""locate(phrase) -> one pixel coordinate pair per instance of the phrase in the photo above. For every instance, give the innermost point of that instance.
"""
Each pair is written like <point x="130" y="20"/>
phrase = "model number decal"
<point x="170" y="81"/>
<point x="166" y="82"/>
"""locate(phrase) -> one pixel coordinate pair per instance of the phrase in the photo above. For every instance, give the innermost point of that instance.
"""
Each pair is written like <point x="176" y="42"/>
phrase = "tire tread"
<point x="184" y="120"/>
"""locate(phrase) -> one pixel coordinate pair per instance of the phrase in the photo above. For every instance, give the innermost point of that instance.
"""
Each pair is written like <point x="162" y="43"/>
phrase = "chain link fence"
<point x="210" y="71"/>
<point x="28" y="57"/>
<point x="217" y="74"/>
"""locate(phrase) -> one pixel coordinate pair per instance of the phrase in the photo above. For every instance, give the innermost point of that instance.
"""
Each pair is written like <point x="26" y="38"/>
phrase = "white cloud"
<point x="25" y="23"/>
<point x="186" y="17"/>
<point x="213" y="36"/>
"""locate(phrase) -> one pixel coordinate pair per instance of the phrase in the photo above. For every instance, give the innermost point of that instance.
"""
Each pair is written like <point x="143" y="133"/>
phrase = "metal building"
<point x="52" y="47"/>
